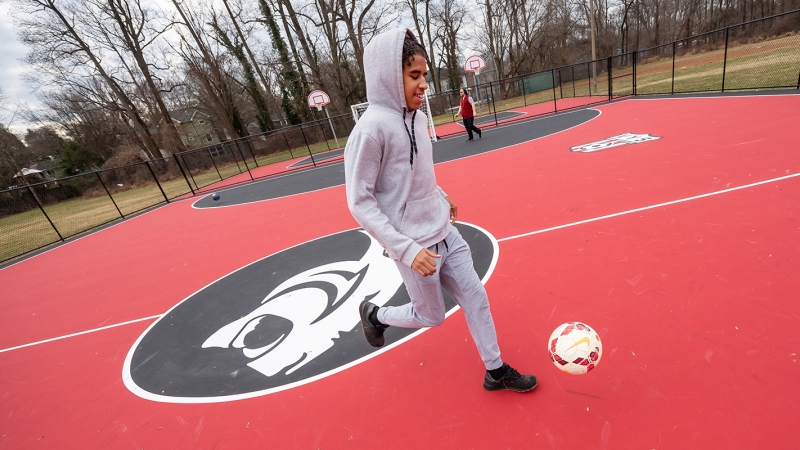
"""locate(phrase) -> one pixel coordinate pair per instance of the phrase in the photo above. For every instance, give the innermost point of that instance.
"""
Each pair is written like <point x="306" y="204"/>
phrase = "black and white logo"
<point x="285" y="320"/>
<point x="614" y="141"/>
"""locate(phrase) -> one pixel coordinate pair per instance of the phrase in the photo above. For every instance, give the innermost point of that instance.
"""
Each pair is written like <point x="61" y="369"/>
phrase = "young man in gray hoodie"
<point x="393" y="195"/>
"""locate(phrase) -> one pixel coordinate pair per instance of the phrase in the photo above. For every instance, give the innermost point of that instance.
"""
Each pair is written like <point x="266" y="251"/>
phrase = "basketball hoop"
<point x="474" y="64"/>
<point x="318" y="99"/>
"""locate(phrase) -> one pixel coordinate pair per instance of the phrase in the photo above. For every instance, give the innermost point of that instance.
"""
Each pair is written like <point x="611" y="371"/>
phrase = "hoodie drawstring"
<point x="411" y="136"/>
<point x="445" y="246"/>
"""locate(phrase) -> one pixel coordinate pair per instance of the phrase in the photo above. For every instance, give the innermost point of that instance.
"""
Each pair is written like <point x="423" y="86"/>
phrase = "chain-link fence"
<point x="761" y="54"/>
<point x="36" y="215"/>
<point x="267" y="154"/>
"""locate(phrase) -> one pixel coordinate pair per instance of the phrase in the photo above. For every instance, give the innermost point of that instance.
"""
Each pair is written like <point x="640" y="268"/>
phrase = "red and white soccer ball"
<point x="575" y="348"/>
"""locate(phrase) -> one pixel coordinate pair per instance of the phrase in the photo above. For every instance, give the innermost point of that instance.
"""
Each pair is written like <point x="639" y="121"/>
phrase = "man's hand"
<point x="424" y="263"/>
<point x="453" y="210"/>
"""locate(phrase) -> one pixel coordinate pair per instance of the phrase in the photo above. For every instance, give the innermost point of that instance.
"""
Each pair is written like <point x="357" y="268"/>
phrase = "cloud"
<point x="11" y="53"/>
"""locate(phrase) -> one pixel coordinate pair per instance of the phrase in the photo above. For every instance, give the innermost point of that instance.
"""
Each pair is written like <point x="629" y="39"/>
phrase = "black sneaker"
<point x="480" y="135"/>
<point x="373" y="333"/>
<point x="511" y="381"/>
<point x="470" y="140"/>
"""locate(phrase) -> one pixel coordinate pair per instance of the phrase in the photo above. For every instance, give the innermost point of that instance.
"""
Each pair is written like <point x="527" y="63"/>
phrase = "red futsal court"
<point x="679" y="251"/>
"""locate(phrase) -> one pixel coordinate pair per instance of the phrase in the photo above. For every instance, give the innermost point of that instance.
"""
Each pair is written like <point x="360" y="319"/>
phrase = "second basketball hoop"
<point x="474" y="64"/>
<point x="319" y="99"/>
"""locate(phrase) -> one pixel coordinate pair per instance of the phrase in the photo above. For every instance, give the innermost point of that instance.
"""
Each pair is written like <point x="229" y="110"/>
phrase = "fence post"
<point x="553" y="77"/>
<point x="184" y="173"/>
<point x="283" y="133"/>
<point x="610" y="87"/>
<point x="243" y="160"/>
<point x="491" y="94"/>
<point x="214" y="163"/>
<point x="524" y="98"/>
<point x="725" y="59"/>
<point x="249" y="147"/>
<point x="109" y="194"/>
<point x="147" y="163"/>
<point x="307" y="146"/>
<point x="190" y="174"/>
<point x="45" y="214"/>
<point x="634" y="73"/>
<point x="238" y="167"/>
<point x="449" y="105"/>
<point x="573" y="81"/>
<point x="252" y="153"/>
<point x="672" y="90"/>
<point x="327" y="143"/>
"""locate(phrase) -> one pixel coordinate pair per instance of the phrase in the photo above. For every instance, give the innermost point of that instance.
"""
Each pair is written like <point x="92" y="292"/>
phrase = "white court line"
<point x="645" y="208"/>
<point x="79" y="333"/>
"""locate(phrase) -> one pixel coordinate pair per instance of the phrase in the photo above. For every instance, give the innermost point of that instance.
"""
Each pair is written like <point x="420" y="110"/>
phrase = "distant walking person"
<point x="465" y="111"/>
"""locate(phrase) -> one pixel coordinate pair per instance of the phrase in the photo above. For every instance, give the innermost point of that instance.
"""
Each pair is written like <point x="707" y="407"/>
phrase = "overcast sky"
<point x="12" y="68"/>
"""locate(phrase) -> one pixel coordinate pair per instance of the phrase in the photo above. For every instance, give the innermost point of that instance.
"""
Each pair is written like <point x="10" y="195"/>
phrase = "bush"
<point x="76" y="159"/>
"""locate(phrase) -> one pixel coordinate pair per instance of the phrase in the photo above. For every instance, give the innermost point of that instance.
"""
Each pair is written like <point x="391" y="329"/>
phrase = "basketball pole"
<point x="330" y="122"/>
<point x="433" y="136"/>
<point x="475" y="73"/>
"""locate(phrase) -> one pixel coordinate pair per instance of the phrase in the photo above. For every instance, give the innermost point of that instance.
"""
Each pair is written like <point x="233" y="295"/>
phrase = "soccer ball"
<point x="574" y="348"/>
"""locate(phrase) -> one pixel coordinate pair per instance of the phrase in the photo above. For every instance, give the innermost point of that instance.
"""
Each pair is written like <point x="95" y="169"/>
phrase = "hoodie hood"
<point x="383" y="70"/>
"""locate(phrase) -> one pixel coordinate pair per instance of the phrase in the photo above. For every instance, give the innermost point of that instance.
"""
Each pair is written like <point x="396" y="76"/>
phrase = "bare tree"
<point x="130" y="33"/>
<point x="451" y="14"/>
<point x="236" y="47"/>
<point x="206" y="69"/>
<point x="59" y="45"/>
<point x="421" y="15"/>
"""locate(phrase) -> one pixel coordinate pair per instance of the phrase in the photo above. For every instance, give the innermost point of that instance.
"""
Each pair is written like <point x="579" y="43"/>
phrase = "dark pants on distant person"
<point x="470" y="127"/>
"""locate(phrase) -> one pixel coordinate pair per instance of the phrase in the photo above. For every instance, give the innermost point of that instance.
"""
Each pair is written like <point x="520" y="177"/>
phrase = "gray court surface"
<point x="444" y="150"/>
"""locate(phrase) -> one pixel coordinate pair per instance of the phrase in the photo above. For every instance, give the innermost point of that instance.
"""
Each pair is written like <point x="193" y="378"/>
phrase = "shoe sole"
<point x="503" y="388"/>
<point x="364" y="320"/>
<point x="509" y="389"/>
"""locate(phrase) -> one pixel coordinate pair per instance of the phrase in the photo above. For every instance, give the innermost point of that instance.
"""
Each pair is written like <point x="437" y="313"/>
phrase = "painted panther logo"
<point x="614" y="141"/>
<point x="285" y="320"/>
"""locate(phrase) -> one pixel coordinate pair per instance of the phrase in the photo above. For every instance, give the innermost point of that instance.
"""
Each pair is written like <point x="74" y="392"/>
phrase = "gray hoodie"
<point x="390" y="182"/>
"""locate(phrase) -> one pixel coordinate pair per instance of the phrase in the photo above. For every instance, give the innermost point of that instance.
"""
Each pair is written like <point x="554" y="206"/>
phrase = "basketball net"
<point x="360" y="108"/>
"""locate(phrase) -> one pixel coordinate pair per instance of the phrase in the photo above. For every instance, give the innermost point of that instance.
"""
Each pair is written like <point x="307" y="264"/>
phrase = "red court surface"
<point x="679" y="251"/>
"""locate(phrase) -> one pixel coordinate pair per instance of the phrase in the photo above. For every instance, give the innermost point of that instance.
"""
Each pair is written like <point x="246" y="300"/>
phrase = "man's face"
<point x="462" y="93"/>
<point x="414" y="83"/>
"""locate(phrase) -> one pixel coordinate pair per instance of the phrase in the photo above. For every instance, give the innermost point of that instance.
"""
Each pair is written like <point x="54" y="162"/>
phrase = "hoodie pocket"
<point x="424" y="217"/>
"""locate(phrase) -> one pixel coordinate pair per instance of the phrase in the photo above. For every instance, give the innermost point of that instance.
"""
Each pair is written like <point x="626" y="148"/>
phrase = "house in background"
<point x="36" y="172"/>
<point x="195" y="128"/>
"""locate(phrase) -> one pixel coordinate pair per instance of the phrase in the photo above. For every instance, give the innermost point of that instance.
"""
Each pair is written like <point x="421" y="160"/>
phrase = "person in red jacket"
<point x="466" y="112"/>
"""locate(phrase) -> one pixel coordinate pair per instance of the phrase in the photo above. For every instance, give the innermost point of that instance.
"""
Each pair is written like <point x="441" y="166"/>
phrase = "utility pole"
<point x="594" y="50"/>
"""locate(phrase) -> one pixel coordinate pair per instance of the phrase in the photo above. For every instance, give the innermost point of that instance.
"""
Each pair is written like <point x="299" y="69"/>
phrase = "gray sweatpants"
<point x="456" y="274"/>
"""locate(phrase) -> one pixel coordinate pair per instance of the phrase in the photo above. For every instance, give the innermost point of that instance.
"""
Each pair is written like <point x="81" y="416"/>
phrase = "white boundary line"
<point x="689" y="97"/>
<point x="80" y="333"/>
<point x="645" y="208"/>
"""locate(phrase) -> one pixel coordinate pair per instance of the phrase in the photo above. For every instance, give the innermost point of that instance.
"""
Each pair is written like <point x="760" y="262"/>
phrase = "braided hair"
<point x="412" y="48"/>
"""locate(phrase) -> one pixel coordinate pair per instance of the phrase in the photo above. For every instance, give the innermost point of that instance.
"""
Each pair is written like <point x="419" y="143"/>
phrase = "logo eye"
<point x="262" y="334"/>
